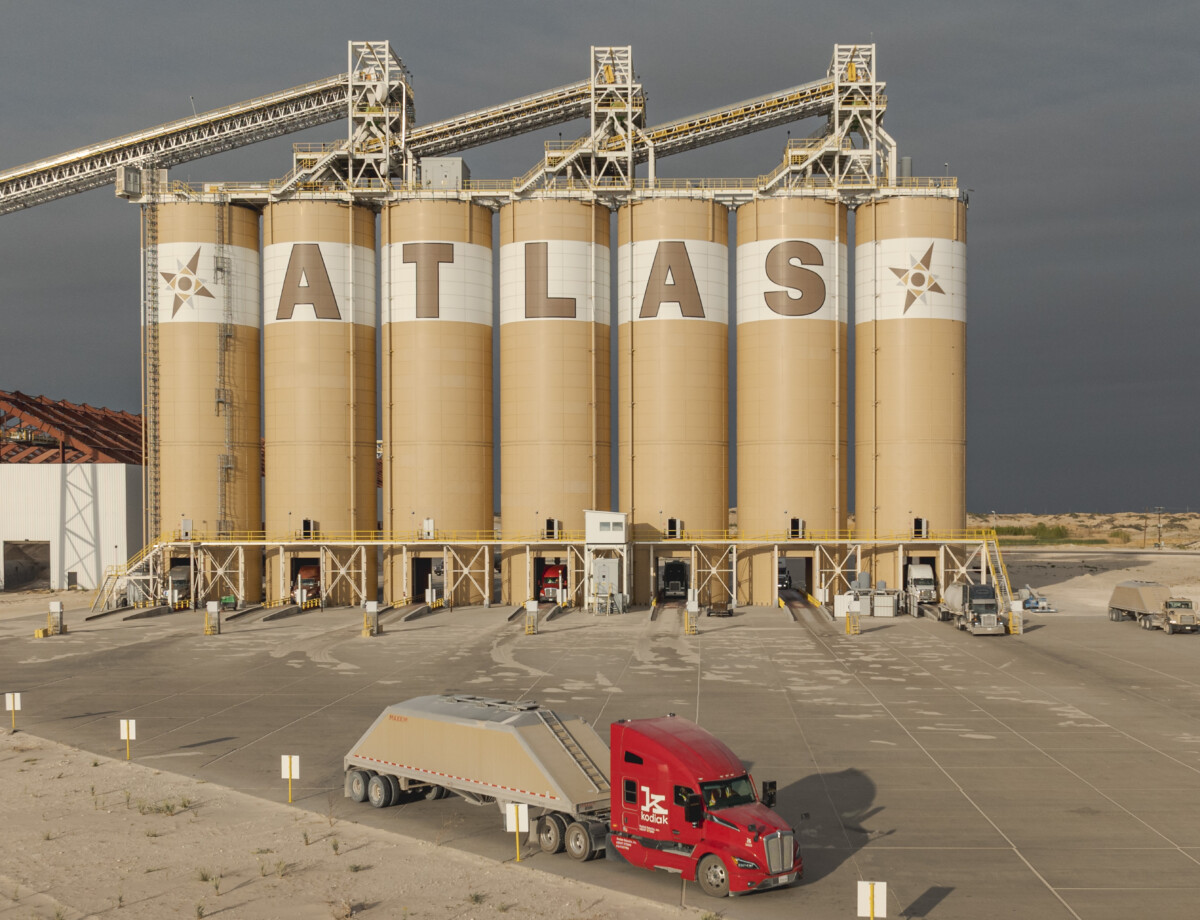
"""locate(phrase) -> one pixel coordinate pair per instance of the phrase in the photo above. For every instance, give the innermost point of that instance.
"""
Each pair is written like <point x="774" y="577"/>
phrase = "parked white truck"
<point x="1153" y="606"/>
<point x="920" y="588"/>
<point x="973" y="608"/>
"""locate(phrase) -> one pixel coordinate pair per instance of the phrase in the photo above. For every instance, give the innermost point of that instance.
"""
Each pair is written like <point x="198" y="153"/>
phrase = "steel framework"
<point x="34" y="429"/>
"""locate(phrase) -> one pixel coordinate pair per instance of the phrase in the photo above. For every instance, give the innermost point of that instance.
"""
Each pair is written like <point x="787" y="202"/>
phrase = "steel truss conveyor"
<point x="740" y="118"/>
<point x="268" y="117"/>
<point x="173" y="143"/>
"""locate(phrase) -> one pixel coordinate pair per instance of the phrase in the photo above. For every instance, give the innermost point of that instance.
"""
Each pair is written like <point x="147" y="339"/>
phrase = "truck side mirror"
<point x="768" y="793"/>
<point x="693" y="810"/>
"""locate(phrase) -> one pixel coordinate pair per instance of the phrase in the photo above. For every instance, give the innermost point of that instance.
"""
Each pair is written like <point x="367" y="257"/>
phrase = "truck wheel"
<point x="713" y="879"/>
<point x="379" y="791"/>
<point x="358" y="785"/>
<point x="435" y="792"/>
<point x="394" y="782"/>
<point x="578" y="842"/>
<point x="1169" y="629"/>
<point x="551" y="830"/>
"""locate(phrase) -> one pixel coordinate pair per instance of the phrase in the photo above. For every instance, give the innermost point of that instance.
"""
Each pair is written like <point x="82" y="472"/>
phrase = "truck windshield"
<point x="728" y="793"/>
<point x="923" y="582"/>
<point x="1179" y="605"/>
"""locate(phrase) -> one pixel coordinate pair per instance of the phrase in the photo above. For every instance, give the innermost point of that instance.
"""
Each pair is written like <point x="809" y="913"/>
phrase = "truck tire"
<point x="394" y="782"/>
<point x="379" y="791"/>
<point x="712" y="876"/>
<point x="551" y="831"/>
<point x="357" y="785"/>
<point x="578" y="842"/>
<point x="1169" y="629"/>
<point x="436" y="792"/>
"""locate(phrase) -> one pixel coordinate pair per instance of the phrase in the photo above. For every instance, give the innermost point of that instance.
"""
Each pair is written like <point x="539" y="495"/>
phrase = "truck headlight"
<point x="745" y="864"/>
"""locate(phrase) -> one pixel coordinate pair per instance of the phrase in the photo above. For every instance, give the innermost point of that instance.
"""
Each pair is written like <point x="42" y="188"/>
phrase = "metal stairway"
<point x="1004" y="595"/>
<point x="594" y="774"/>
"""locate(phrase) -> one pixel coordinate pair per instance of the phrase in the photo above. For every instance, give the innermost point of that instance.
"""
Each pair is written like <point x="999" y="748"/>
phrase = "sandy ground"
<point x="1081" y="581"/>
<point x="142" y="843"/>
<point x="138" y="843"/>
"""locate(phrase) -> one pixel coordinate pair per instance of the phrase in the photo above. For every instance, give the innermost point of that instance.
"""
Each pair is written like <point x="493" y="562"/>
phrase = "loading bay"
<point x="1054" y="774"/>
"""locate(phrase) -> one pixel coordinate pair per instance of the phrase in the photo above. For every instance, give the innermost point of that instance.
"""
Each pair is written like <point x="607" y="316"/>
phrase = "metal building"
<point x="319" y="394"/>
<point x="910" y="377"/>
<point x="791" y="380"/>
<point x="673" y="387"/>
<point x="554" y="379"/>
<point x="70" y="492"/>
<point x="437" y="386"/>
<point x="209" y="331"/>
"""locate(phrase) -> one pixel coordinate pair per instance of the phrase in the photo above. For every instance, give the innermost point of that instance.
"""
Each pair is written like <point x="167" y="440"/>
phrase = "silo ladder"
<point x="595" y="776"/>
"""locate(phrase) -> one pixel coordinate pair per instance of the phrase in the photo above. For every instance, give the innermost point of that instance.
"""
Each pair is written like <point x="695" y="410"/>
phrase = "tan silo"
<point x="910" y="378"/>
<point x="209" y="327"/>
<point x="437" y="385"/>
<point x="673" y="363"/>
<point x="319" y="386"/>
<point x="791" y="378"/>
<point x="554" y="375"/>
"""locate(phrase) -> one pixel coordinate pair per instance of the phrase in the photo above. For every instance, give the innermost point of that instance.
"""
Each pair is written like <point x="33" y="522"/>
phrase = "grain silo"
<point x="672" y="347"/>
<point x="319" y="389"/>
<point x="554" y="376"/>
<point x="910" y="377"/>
<point x="437" y="384"/>
<point x="791" y="379"/>
<point x="209" y="327"/>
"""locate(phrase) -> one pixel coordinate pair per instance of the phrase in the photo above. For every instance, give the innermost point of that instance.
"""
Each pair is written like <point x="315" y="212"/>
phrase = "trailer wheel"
<point x="358" y="785"/>
<point x="379" y="791"/>
<point x="713" y="879"/>
<point x="578" y="842"/>
<point x="551" y="830"/>
<point x="394" y="782"/>
<point x="436" y="792"/>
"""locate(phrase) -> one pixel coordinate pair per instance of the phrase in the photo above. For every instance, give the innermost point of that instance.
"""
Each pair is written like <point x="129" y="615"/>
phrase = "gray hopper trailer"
<point x="486" y="751"/>
<point x="1153" y="606"/>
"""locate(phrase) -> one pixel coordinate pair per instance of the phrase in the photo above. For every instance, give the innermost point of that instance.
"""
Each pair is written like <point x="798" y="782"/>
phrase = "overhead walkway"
<point x="175" y="142"/>
<point x="735" y="120"/>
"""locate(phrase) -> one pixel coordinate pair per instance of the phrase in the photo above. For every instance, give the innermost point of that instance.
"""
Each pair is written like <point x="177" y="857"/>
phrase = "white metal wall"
<point x="90" y="513"/>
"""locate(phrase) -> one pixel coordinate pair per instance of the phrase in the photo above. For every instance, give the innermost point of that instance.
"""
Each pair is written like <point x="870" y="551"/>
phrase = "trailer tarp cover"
<point x="512" y="751"/>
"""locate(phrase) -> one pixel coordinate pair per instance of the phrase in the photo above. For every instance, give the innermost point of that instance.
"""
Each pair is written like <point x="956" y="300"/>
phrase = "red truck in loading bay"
<point x="673" y="796"/>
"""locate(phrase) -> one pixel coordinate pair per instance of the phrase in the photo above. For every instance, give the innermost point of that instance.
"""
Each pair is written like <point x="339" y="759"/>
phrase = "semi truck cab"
<point x="683" y="802"/>
<point x="554" y="579"/>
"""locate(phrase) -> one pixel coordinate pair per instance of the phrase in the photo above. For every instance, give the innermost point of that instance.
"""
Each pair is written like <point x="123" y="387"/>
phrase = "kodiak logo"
<point x="653" y="811"/>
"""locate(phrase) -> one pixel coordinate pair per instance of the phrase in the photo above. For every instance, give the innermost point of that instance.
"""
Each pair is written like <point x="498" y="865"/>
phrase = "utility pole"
<point x="1158" y="509"/>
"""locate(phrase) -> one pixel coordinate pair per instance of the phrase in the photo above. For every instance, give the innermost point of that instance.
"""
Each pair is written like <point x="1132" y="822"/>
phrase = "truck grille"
<point x="989" y="620"/>
<point x="1187" y="619"/>
<point x="779" y="851"/>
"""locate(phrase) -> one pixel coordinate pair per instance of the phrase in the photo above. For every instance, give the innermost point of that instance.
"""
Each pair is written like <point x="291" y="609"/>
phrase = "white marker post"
<point x="12" y="702"/>
<point x="128" y="733"/>
<point x="869" y="895"/>
<point x="516" y="819"/>
<point x="290" y="766"/>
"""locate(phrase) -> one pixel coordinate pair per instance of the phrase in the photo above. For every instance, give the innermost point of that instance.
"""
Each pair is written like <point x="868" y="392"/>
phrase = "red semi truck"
<point x="674" y="797"/>
<point x="553" y="584"/>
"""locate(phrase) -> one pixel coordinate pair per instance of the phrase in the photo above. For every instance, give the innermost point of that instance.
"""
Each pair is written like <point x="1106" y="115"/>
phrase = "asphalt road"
<point x="1050" y="775"/>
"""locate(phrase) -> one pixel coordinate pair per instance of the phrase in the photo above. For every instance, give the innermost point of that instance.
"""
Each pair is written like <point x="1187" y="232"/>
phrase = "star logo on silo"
<point x="917" y="279"/>
<point x="185" y="284"/>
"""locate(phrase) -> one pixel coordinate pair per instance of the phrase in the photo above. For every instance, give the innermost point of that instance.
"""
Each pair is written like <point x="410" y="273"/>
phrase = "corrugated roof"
<point x="35" y="429"/>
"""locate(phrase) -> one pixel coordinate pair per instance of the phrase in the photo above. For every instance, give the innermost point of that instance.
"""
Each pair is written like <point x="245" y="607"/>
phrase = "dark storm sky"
<point x="1073" y="123"/>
